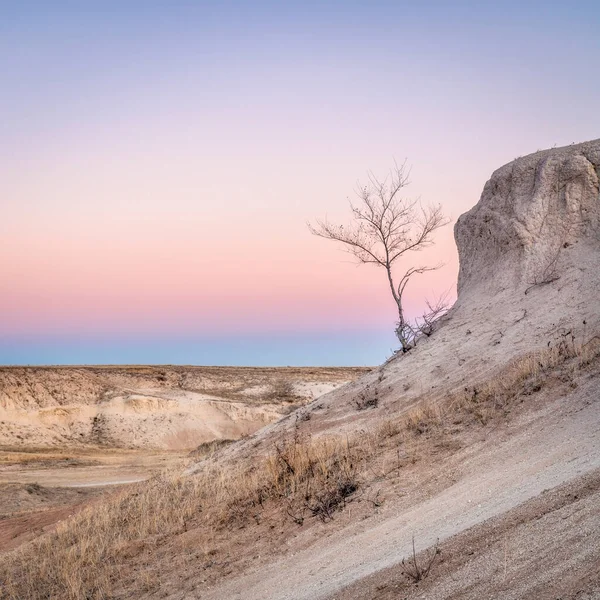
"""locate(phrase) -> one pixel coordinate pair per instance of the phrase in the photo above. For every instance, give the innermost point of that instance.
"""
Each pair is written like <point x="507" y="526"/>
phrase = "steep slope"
<point x="528" y="282"/>
<point x="480" y="482"/>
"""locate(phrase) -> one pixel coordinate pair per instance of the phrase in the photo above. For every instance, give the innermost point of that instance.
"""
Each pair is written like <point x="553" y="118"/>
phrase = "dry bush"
<point x="317" y="477"/>
<point x="367" y="398"/>
<point x="417" y="570"/>
<point x="208" y="449"/>
<point x="281" y="390"/>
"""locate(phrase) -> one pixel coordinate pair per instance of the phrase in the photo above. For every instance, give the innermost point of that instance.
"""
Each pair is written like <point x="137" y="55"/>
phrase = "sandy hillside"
<point x="482" y="445"/>
<point x="151" y="407"/>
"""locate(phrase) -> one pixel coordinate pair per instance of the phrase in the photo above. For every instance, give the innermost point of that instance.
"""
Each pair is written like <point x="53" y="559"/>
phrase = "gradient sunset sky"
<point x="159" y="162"/>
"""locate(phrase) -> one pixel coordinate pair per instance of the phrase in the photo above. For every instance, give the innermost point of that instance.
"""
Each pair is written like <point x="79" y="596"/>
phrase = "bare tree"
<point x="385" y="227"/>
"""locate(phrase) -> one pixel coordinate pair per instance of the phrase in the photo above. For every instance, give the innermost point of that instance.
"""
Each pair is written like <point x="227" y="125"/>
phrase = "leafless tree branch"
<point x="385" y="227"/>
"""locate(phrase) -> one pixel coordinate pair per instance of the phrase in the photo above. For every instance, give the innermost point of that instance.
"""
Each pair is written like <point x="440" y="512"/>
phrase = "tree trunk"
<point x="397" y="298"/>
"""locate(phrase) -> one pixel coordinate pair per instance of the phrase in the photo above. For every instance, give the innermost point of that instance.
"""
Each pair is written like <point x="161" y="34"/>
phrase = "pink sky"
<point x="158" y="168"/>
<point x="116" y="237"/>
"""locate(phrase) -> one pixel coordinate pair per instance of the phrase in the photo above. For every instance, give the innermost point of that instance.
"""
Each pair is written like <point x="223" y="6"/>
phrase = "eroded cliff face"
<point x="537" y="219"/>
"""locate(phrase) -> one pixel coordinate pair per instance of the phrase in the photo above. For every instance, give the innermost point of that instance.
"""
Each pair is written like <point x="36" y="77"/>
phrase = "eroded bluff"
<point x="538" y="219"/>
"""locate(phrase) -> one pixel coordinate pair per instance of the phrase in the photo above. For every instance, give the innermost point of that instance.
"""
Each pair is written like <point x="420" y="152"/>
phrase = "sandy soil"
<point x="546" y="548"/>
<point x="546" y="448"/>
<point x="41" y="487"/>
<point x="83" y="468"/>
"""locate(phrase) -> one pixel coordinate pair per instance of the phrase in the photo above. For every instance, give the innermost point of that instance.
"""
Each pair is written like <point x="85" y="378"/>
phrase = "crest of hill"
<point x="528" y="281"/>
<point x="537" y="219"/>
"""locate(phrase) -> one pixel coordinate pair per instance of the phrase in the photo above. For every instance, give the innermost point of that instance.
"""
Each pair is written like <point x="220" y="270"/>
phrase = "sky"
<point x="159" y="162"/>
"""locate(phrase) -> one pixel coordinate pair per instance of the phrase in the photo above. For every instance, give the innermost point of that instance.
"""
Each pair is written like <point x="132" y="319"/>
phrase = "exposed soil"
<point x="153" y="407"/>
<point x="546" y="548"/>
<point x="83" y="467"/>
<point x="64" y="457"/>
<point x="29" y="510"/>
<point x="41" y="487"/>
<point x="549" y="442"/>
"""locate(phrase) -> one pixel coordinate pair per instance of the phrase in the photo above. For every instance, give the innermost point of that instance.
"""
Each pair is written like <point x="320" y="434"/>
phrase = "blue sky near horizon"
<point x="159" y="162"/>
<point x="308" y="350"/>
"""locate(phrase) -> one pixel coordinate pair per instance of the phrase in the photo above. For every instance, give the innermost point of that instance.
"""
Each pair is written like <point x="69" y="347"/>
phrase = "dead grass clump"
<point x="390" y="428"/>
<point x="281" y="390"/>
<point x="423" y="419"/>
<point x="317" y="476"/>
<point x="208" y="449"/>
<point x="367" y="398"/>
<point x="307" y="476"/>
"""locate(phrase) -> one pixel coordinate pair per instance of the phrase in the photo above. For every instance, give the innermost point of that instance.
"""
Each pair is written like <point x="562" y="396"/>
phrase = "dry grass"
<point x="367" y="398"/>
<point x="497" y="396"/>
<point x="84" y="556"/>
<point x="80" y="456"/>
<point x="523" y="377"/>
<point x="281" y="390"/>
<point x="208" y="449"/>
<point x="89" y="556"/>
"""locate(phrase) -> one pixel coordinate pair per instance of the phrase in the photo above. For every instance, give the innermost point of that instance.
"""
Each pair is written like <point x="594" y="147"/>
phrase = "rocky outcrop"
<point x="536" y="220"/>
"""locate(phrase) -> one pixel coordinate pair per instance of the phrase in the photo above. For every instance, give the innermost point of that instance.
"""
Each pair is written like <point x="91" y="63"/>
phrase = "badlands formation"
<point x="529" y="280"/>
<point x="163" y="407"/>
<point x="467" y="468"/>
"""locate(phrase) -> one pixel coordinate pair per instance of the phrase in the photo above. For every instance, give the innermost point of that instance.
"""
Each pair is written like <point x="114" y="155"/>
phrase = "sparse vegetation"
<point x="208" y="449"/>
<point x="317" y="477"/>
<point x="367" y="398"/>
<point x="82" y="558"/>
<point x="281" y="390"/>
<point x="417" y="570"/>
